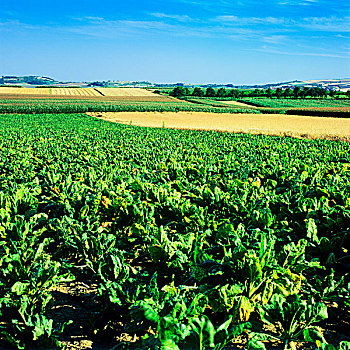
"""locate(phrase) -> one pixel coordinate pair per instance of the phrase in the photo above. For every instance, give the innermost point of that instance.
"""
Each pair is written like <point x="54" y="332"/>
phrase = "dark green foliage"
<point x="75" y="106"/>
<point x="190" y="237"/>
<point x="297" y="103"/>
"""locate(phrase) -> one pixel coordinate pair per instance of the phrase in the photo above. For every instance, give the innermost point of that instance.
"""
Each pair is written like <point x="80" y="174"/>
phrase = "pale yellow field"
<point x="24" y="91"/>
<point x="75" y="92"/>
<point x="120" y="92"/>
<point x="269" y="124"/>
<point x="50" y="91"/>
<point x="62" y="91"/>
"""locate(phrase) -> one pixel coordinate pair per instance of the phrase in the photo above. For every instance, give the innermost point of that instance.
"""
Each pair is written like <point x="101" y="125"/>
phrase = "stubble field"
<point x="72" y="91"/>
<point x="124" y="92"/>
<point x="269" y="124"/>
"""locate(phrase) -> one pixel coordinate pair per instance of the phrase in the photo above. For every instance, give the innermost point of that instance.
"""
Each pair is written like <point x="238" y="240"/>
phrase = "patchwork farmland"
<point x="64" y="91"/>
<point x="119" y="231"/>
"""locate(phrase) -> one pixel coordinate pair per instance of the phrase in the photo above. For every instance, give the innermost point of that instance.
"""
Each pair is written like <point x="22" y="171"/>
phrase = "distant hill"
<point x="334" y="84"/>
<point x="27" y="80"/>
<point x="328" y="84"/>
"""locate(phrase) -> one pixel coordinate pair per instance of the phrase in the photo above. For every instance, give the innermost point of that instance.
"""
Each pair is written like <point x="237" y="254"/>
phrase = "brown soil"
<point x="269" y="124"/>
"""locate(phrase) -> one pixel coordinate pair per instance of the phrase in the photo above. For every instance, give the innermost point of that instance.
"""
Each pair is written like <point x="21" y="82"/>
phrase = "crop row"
<point x="296" y="103"/>
<point x="193" y="104"/>
<point x="185" y="239"/>
<point x="39" y="108"/>
<point x="208" y="102"/>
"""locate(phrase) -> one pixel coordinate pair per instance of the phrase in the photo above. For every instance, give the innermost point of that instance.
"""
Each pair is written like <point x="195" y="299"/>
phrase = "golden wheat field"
<point x="268" y="124"/>
<point x="119" y="92"/>
<point x="88" y="92"/>
<point x="75" y="92"/>
<point x="50" y="91"/>
<point x="24" y="91"/>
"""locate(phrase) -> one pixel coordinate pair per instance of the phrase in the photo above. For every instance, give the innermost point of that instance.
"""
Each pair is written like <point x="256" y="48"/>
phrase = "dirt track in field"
<point x="269" y="124"/>
<point x="236" y="103"/>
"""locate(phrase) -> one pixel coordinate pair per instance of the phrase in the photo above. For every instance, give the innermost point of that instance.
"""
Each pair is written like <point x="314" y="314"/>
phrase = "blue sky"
<point x="192" y="41"/>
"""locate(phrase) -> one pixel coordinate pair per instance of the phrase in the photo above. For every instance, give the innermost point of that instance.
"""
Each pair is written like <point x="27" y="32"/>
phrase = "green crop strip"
<point x="188" y="239"/>
<point x="296" y="103"/>
<point x="69" y="106"/>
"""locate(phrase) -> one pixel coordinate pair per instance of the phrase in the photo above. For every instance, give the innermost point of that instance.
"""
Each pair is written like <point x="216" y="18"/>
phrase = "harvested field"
<point x="124" y="92"/>
<point x="88" y="92"/>
<point x="269" y="124"/>
<point x="24" y="91"/>
<point x="85" y="94"/>
<point x="75" y="92"/>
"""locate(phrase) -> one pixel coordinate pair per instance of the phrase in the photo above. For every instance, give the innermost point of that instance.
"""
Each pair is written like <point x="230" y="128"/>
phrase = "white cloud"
<point x="331" y="24"/>
<point x="275" y="39"/>
<point x="298" y="3"/>
<point x="180" y="18"/>
<point x="291" y="53"/>
<point x="89" y="19"/>
<point x="242" y="31"/>
<point x="328" y="24"/>
<point x="343" y="36"/>
<point x="250" y="20"/>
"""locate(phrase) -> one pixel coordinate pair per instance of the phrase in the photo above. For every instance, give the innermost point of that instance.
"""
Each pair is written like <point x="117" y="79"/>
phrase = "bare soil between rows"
<point x="268" y="124"/>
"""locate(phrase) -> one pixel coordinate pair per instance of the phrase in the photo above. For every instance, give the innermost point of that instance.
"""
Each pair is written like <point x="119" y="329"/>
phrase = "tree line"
<point x="297" y="92"/>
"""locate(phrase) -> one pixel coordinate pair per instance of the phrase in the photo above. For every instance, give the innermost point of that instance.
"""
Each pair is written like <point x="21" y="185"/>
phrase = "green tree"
<point x="233" y="93"/>
<point x="221" y="92"/>
<point x="269" y="93"/>
<point x="313" y="93"/>
<point x="305" y="92"/>
<point x="287" y="93"/>
<point x="198" y="92"/>
<point x="210" y="92"/>
<point x="296" y="91"/>
<point x="279" y="92"/>
<point x="179" y="91"/>
<point x="321" y="92"/>
<point x="257" y="92"/>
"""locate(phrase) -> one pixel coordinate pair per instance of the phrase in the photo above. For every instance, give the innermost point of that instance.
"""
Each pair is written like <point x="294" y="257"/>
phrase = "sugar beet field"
<point x="121" y="237"/>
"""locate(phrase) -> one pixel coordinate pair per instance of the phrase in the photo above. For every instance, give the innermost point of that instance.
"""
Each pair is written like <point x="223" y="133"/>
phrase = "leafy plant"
<point x="294" y="320"/>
